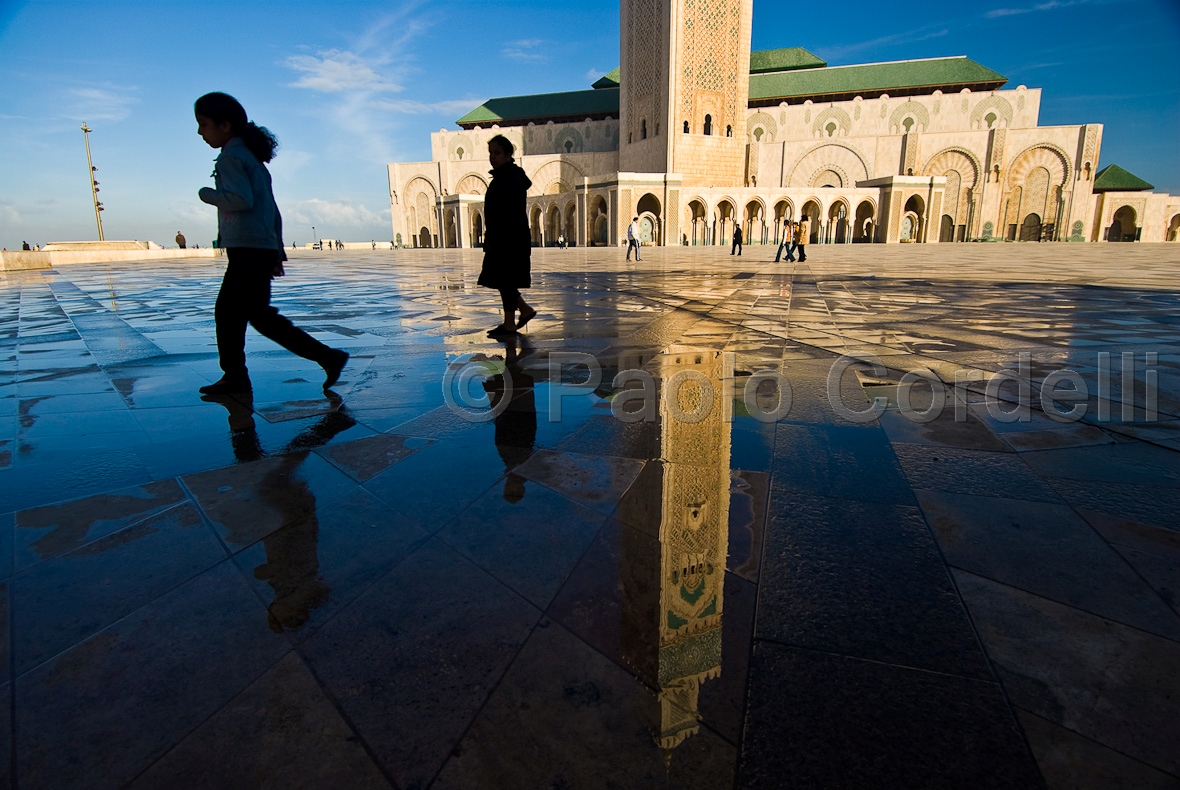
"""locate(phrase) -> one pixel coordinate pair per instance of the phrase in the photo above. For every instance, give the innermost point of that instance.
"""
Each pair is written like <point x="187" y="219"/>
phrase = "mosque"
<point x="694" y="134"/>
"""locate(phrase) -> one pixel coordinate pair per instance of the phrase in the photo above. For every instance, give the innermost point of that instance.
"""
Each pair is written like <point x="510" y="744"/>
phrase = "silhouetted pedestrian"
<point x="633" y="236"/>
<point x="737" y="240"/>
<point x="24" y="245"/>
<point x="508" y="245"/>
<point x="180" y="240"/>
<point x="250" y="229"/>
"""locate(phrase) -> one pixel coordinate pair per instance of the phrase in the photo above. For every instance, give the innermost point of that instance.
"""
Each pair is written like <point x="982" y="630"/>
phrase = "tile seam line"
<point x="1099" y="743"/>
<point x="1071" y="607"/>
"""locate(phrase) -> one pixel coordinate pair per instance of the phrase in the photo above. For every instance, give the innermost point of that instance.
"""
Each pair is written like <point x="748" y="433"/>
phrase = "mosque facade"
<point x="695" y="134"/>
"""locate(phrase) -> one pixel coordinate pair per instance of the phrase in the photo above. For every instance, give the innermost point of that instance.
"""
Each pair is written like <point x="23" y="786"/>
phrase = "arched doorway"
<point x="552" y="226"/>
<point x="811" y="211"/>
<point x="424" y="237"/>
<point x="1030" y="229"/>
<point x="696" y="217"/>
<point x="863" y="232"/>
<point x="724" y="218"/>
<point x="911" y="220"/>
<point x="1123" y="228"/>
<point x="946" y="231"/>
<point x="596" y="222"/>
<point x="649" y="207"/>
<point x="1174" y="229"/>
<point x="477" y="230"/>
<point x="535" y="229"/>
<point x="783" y="212"/>
<point x="838" y="222"/>
<point x="755" y="225"/>
<point x="571" y="224"/>
<point x="452" y="234"/>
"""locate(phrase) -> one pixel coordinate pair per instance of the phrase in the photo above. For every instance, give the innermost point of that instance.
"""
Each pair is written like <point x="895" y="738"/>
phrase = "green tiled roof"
<point x="788" y="59"/>
<point x="608" y="80"/>
<point x="793" y="78"/>
<point x="873" y="79"/>
<point x="574" y="105"/>
<point x="1113" y="178"/>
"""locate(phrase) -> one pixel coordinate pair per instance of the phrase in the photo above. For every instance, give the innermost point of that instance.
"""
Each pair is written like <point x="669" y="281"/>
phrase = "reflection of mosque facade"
<point x="673" y="603"/>
<point x="694" y="133"/>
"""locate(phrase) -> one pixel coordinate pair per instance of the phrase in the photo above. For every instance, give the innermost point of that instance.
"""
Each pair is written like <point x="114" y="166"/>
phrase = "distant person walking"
<point x="24" y="245"/>
<point x="180" y="240"/>
<point x="507" y="244"/>
<point x="633" y="236"/>
<point x="788" y="238"/>
<point x="250" y="230"/>
<point x="737" y="240"/>
<point x="801" y="236"/>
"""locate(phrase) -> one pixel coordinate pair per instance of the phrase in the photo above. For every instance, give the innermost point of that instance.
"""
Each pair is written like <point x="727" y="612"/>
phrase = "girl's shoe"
<point x="524" y="319"/>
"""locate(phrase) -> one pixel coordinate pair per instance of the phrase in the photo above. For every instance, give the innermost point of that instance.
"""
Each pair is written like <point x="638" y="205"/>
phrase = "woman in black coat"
<point x="507" y="243"/>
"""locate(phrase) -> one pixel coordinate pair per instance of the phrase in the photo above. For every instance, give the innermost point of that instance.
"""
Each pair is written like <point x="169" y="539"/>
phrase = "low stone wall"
<point x="23" y="260"/>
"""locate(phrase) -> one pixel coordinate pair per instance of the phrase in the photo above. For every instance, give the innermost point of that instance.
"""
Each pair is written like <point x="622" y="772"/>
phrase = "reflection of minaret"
<point x="671" y="632"/>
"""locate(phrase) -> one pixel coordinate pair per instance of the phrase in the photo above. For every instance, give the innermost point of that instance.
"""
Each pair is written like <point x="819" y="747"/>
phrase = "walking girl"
<point x="250" y="230"/>
<point x="507" y="245"/>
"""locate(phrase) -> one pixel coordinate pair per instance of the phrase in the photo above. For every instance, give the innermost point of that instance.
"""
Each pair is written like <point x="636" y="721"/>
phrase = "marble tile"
<point x="83" y="720"/>
<point x="64" y="600"/>
<point x="565" y="716"/>
<point x="865" y="580"/>
<point x="280" y="732"/>
<point x="1132" y="462"/>
<point x="80" y="474"/>
<point x="595" y="481"/>
<point x="48" y="531"/>
<point x="1047" y="550"/>
<point x="248" y="502"/>
<point x="844" y="462"/>
<point x="309" y="570"/>
<point x="972" y="472"/>
<point x="528" y="537"/>
<point x="1108" y="682"/>
<point x="1150" y="506"/>
<point x="1069" y="761"/>
<point x="854" y="723"/>
<point x="412" y="661"/>
<point x="944" y="431"/>
<point x="364" y="458"/>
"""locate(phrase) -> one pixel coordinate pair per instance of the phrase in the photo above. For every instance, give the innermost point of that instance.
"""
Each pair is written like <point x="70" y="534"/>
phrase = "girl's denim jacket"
<point x="246" y="212"/>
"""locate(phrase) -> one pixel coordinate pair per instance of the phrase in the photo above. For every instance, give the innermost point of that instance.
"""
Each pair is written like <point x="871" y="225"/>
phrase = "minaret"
<point x="685" y="62"/>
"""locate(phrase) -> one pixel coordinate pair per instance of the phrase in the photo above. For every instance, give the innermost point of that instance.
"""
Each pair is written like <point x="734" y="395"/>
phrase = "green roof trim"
<point x="1113" y="178"/>
<point x="874" y="78"/>
<point x="789" y="59"/>
<point x="574" y="105"/>
<point x="609" y="80"/>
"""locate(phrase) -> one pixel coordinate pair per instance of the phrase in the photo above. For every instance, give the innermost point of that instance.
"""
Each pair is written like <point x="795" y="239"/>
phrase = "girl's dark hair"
<point x="219" y="107"/>
<point x="504" y="144"/>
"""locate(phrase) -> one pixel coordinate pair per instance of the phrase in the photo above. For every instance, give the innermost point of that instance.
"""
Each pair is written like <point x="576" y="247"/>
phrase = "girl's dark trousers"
<point x="509" y="297"/>
<point x="244" y="298"/>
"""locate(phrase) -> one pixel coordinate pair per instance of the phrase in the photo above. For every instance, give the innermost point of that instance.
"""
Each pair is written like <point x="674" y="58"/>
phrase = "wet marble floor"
<point x="599" y="557"/>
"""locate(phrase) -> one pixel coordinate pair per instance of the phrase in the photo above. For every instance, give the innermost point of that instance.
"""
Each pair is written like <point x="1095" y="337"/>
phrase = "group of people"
<point x="250" y="230"/>
<point x="795" y="235"/>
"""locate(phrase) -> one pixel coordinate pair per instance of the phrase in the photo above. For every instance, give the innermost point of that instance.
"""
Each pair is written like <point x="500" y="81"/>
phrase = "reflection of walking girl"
<point x="250" y="230"/>
<point x="507" y="243"/>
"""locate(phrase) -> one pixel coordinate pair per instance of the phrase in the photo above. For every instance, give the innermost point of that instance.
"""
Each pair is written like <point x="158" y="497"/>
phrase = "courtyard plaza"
<point x="374" y="588"/>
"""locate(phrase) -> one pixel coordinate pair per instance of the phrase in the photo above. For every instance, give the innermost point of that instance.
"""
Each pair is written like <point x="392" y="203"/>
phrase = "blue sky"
<point x="349" y="86"/>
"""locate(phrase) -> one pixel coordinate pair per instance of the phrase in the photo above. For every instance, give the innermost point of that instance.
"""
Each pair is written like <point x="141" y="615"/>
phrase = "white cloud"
<point x="1048" y="5"/>
<point x="908" y="37"/>
<point x="594" y="74"/>
<point x="290" y="161"/>
<point x="335" y="71"/>
<point x="445" y="107"/>
<point x="333" y="214"/>
<point x="106" y="102"/>
<point x="525" y="49"/>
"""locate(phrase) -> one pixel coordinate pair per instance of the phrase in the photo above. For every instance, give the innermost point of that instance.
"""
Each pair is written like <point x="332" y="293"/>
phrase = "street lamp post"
<point x="93" y="184"/>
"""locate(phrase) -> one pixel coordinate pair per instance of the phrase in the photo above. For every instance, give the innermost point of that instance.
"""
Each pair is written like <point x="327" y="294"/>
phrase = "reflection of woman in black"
<point x="507" y="244"/>
<point x="516" y="425"/>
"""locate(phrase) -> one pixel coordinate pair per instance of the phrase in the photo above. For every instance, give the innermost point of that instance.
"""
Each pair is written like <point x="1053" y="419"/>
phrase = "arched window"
<point x="629" y="141"/>
<point x="758" y="132"/>
<point x="657" y="128"/>
<point x="729" y="131"/>
<point x="686" y="127"/>
<point x="569" y="146"/>
<point x="459" y="151"/>
<point x="642" y="128"/>
<point x="831" y="128"/>
<point x="708" y="124"/>
<point x="990" y="118"/>
<point x="908" y="124"/>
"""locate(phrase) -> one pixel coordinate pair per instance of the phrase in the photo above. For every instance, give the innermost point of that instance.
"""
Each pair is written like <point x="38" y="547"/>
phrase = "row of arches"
<point x="833" y="221"/>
